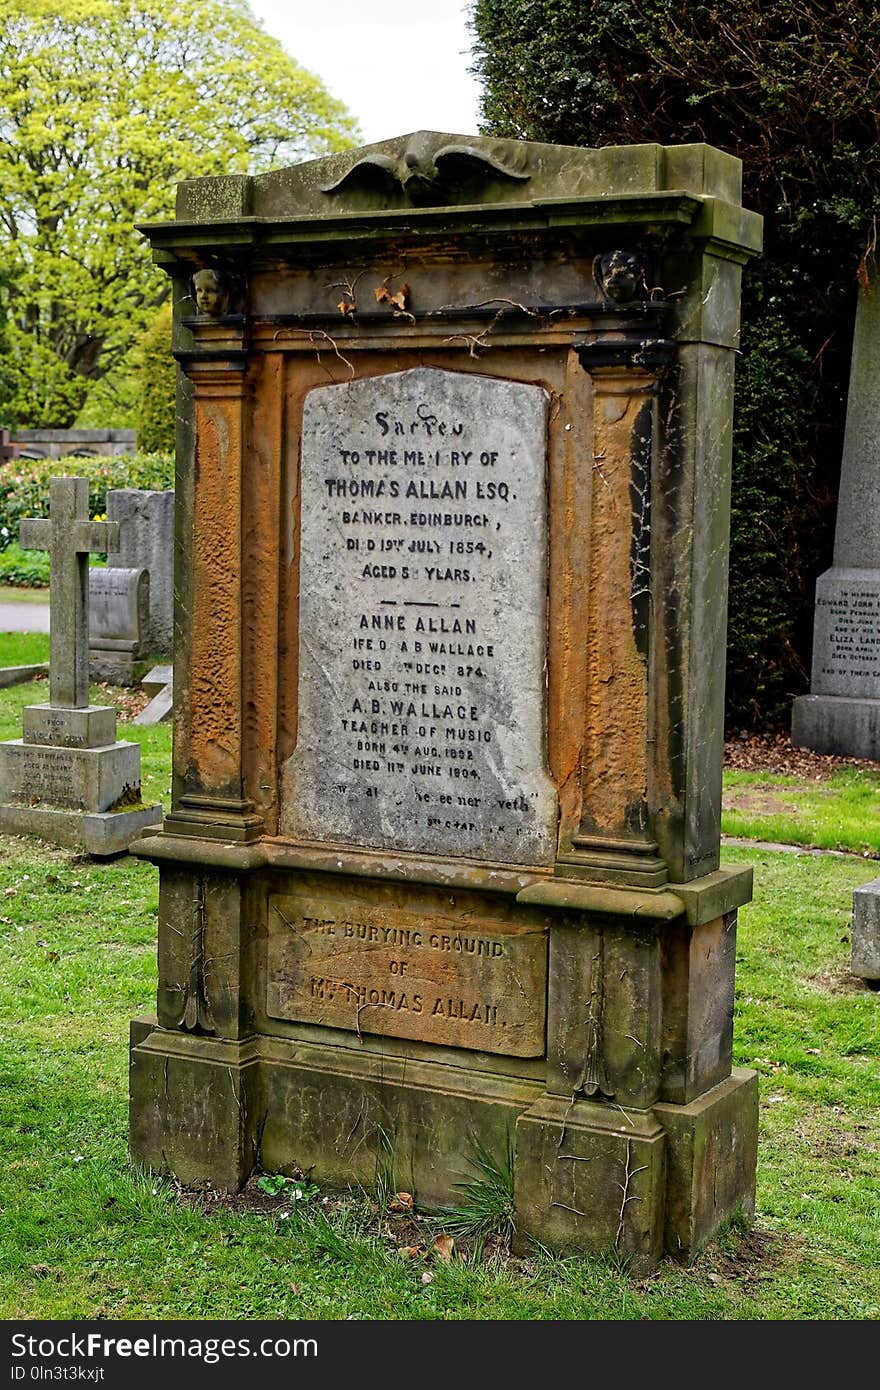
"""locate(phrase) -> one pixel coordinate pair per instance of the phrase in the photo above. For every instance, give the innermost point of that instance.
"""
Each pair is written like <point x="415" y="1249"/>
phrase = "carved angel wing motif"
<point x="457" y="161"/>
<point x="375" y="173"/>
<point x="422" y="178"/>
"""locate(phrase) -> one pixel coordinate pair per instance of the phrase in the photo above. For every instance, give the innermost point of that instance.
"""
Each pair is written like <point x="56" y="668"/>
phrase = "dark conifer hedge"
<point x="792" y="87"/>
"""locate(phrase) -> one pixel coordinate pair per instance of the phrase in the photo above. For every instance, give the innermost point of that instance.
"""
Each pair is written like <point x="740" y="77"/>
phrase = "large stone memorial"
<point x="841" y="714"/>
<point x="442" y="866"/>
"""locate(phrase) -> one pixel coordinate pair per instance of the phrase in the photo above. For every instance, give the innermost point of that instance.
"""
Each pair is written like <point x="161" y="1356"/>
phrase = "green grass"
<point x="842" y="812"/>
<point x="23" y="648"/>
<point x="85" y="1236"/>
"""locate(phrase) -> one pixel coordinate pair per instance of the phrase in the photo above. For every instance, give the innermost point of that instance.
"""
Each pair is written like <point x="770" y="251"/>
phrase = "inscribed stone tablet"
<point x="846" y="640"/>
<point x="118" y="604"/>
<point x="404" y="975"/>
<point x="422" y="619"/>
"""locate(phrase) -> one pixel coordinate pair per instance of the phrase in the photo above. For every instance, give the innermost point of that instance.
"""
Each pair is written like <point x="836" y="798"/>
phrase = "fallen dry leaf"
<point x="345" y="306"/>
<point x="427" y="1278"/>
<point x="401" y="1201"/>
<point x="443" y="1248"/>
<point x="397" y="301"/>
<point x="294" y="1289"/>
<point x="410" y="1252"/>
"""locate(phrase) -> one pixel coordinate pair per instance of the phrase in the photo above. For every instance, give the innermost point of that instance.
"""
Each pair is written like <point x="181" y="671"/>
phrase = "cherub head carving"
<point x="211" y="292"/>
<point x="621" y="276"/>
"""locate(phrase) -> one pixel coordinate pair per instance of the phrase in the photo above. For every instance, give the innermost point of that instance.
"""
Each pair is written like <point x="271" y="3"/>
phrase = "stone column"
<point x="614" y="842"/>
<point x="213" y="802"/>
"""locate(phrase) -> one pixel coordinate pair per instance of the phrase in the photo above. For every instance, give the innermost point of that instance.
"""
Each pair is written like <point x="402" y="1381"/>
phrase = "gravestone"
<point x="159" y="685"/>
<point x="842" y="712"/>
<point x="442" y="867"/>
<point x="146" y="541"/>
<point x="865" y="953"/>
<point x="67" y="779"/>
<point x="119" y="618"/>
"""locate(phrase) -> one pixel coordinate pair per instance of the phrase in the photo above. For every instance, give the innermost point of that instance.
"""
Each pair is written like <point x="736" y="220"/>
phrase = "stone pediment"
<point x="426" y="168"/>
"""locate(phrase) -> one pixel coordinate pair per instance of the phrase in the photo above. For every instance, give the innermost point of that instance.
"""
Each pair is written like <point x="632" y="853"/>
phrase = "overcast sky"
<point x="399" y="65"/>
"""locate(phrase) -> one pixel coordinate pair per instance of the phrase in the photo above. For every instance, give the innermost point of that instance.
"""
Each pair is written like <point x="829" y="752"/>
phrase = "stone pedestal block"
<point x="81" y="779"/>
<point x="711" y="1158"/>
<point x="589" y="1177"/>
<point x="846" y="726"/>
<point x="94" y="726"/>
<point x="866" y="932"/>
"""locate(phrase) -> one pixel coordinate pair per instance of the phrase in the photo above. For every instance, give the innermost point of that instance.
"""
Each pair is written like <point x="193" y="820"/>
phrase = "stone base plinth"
<point x="866" y="932"/>
<point x="208" y="1111"/>
<point x="92" y="726"/>
<point x="587" y="1177"/>
<point x="118" y="668"/>
<point x="91" y="832"/>
<point x="847" y="726"/>
<point x="77" y="779"/>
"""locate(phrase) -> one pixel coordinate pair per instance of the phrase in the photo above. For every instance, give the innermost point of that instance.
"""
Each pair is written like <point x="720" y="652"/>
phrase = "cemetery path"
<point x="24" y="617"/>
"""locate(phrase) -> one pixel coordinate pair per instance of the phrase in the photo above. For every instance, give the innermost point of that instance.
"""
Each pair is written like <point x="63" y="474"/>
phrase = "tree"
<point x="792" y="87"/>
<point x="157" y="382"/>
<point x="104" y="106"/>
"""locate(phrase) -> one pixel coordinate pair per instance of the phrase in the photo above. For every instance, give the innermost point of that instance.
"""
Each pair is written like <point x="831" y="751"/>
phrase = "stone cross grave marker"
<point x="67" y="779"/>
<point x="70" y="537"/>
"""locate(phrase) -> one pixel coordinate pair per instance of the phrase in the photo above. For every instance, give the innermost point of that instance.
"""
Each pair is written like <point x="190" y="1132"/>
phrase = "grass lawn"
<point x="85" y="1236"/>
<point x="23" y="648"/>
<point x="840" y="812"/>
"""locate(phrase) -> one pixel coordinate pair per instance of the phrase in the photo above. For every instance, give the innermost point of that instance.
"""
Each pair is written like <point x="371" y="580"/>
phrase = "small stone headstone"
<point x="146" y="541"/>
<point x="119" y="616"/>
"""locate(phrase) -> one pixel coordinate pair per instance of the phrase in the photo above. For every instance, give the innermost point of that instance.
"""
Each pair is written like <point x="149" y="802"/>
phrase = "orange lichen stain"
<point x="215" y="692"/>
<point x="615" y="739"/>
<point x="570" y="485"/>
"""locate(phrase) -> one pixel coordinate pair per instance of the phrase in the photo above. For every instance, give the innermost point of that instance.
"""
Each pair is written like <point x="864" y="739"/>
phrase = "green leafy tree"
<point x="792" y="87"/>
<point x="157" y="379"/>
<point x="104" y="106"/>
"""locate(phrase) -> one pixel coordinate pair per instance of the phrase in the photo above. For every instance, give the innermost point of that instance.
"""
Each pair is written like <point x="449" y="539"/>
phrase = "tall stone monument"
<point x="452" y="522"/>
<point x="842" y="712"/>
<point x="67" y="779"/>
